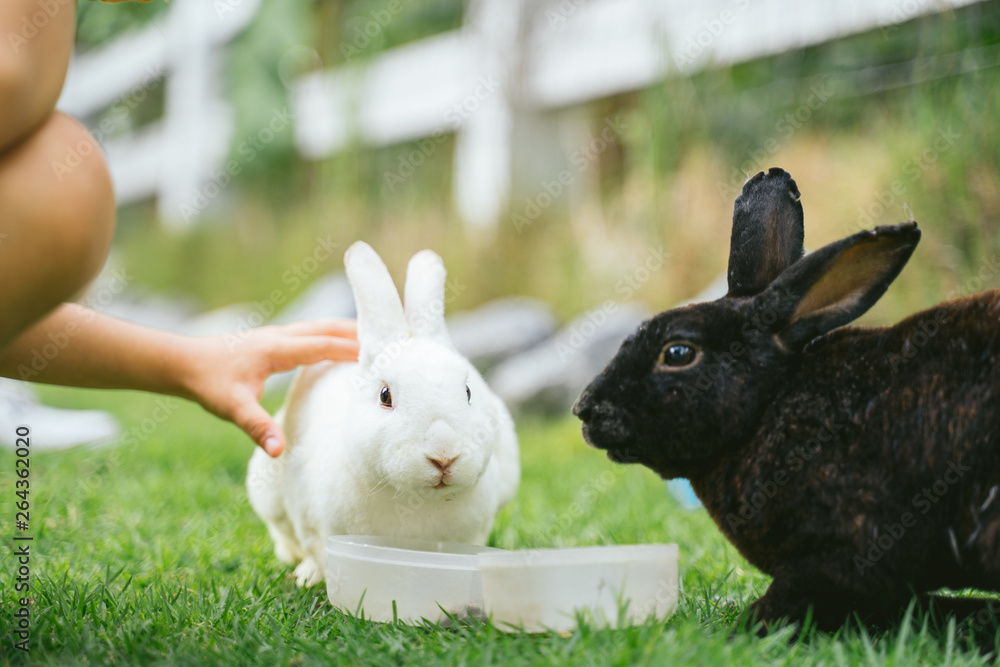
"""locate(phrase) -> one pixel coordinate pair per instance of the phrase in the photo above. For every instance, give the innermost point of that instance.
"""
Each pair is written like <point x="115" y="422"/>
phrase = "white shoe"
<point x="52" y="429"/>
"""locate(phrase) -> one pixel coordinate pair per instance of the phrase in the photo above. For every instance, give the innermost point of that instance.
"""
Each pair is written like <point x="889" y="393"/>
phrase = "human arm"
<point x="225" y="374"/>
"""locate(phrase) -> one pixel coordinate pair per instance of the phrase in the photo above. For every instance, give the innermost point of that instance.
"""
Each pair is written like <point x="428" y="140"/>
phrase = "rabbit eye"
<point x="385" y="397"/>
<point x="468" y="393"/>
<point x="676" y="356"/>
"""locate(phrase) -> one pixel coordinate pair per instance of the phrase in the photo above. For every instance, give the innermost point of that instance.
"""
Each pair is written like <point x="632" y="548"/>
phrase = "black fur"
<point x="767" y="232"/>
<point x="854" y="465"/>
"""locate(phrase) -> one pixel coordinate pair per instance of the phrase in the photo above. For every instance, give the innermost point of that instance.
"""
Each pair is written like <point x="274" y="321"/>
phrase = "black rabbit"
<point x="854" y="465"/>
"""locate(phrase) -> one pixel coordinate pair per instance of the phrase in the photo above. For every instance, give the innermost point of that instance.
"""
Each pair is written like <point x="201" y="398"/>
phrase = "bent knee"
<point x="84" y="209"/>
<point x="56" y="191"/>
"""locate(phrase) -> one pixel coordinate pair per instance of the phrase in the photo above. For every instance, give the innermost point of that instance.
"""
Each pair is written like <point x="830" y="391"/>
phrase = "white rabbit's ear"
<point x="380" y="313"/>
<point x="424" y="294"/>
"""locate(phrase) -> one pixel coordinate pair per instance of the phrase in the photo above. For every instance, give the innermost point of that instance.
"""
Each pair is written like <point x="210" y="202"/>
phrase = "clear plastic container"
<point x="546" y="589"/>
<point x="421" y="576"/>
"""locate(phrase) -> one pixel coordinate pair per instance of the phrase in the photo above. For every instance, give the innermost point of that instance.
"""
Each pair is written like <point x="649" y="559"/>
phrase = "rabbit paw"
<point x="283" y="552"/>
<point x="308" y="572"/>
<point x="783" y="603"/>
<point x="286" y="548"/>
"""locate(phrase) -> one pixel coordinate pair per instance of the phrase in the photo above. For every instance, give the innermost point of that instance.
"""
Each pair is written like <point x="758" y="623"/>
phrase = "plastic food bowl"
<point x="422" y="578"/>
<point x="547" y="589"/>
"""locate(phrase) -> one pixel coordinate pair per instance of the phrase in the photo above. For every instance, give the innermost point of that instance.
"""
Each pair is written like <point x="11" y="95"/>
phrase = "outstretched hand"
<point x="227" y="373"/>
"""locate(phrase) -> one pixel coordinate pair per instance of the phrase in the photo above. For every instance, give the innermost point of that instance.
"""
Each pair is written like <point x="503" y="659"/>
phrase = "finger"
<point x="306" y="350"/>
<point x="258" y="424"/>
<point x="342" y="328"/>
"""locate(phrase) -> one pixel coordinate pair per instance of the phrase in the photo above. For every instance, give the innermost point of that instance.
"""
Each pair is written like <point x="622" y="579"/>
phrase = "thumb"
<point x="258" y="424"/>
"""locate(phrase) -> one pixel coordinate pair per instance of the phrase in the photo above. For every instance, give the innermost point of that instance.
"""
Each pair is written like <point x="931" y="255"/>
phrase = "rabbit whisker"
<point x="989" y="499"/>
<point x="954" y="546"/>
<point x="381" y="483"/>
<point x="979" y="526"/>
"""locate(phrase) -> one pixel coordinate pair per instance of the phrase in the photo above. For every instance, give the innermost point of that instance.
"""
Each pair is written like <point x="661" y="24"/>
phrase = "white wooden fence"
<point x="512" y="59"/>
<point x="173" y="158"/>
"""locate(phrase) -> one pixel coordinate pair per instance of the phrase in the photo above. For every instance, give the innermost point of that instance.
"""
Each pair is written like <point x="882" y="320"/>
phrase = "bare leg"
<point x="34" y="57"/>
<point x="55" y="227"/>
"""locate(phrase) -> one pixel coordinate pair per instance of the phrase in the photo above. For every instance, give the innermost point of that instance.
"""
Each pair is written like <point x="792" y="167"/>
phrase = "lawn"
<point x="148" y="553"/>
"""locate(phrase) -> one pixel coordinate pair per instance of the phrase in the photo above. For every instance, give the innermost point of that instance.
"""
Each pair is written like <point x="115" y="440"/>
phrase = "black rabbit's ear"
<point x="767" y="232"/>
<point x="839" y="282"/>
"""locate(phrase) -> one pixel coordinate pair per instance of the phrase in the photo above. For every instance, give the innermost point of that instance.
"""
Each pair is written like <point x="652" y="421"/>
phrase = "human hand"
<point x="226" y="374"/>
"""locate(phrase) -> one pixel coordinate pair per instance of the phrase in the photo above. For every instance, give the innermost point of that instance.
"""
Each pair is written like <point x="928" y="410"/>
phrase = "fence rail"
<point x="511" y="60"/>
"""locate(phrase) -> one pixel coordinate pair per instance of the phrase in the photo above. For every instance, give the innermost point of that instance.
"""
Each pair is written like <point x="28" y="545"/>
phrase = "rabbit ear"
<point x="767" y="232"/>
<point x="380" y="313"/>
<point x="424" y="297"/>
<point x="838" y="283"/>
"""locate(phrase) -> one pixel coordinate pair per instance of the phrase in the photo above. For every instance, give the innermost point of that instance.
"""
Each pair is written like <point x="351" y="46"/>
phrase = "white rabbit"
<point x="408" y="442"/>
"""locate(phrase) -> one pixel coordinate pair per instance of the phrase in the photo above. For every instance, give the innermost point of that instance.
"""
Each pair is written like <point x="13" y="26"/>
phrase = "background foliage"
<point x="670" y="182"/>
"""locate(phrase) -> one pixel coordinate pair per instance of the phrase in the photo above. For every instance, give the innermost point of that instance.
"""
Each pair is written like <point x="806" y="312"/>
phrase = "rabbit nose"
<point x="583" y="407"/>
<point x="442" y="464"/>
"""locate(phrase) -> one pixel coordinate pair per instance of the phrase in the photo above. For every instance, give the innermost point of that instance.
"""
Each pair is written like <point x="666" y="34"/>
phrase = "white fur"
<point x="352" y="466"/>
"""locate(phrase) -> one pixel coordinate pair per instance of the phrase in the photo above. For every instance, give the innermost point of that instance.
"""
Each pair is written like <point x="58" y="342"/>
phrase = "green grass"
<point x="150" y="554"/>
